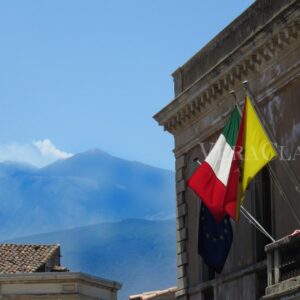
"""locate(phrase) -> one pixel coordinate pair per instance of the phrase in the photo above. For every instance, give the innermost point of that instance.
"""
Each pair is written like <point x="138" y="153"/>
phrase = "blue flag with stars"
<point x="214" y="240"/>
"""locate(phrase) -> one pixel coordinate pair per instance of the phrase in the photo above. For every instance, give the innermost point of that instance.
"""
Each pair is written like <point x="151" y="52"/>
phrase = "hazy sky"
<point x="92" y="73"/>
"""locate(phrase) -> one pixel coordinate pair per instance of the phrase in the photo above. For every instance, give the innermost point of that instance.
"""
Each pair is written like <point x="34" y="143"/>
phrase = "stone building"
<point x="34" y="272"/>
<point x="262" y="46"/>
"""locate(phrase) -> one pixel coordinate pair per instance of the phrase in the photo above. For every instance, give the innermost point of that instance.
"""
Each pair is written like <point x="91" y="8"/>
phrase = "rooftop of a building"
<point x="24" y="258"/>
<point x="34" y="271"/>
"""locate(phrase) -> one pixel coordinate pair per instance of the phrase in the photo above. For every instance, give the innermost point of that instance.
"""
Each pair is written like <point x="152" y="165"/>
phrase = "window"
<point x="263" y="211"/>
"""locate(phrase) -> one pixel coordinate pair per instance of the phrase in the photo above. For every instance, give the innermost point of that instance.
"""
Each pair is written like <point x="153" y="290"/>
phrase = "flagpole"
<point x="269" y="131"/>
<point x="248" y="216"/>
<point x="271" y="171"/>
<point x="254" y="222"/>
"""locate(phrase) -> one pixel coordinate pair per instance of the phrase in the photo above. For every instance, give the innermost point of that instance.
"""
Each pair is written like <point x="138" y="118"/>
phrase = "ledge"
<point x="58" y="277"/>
<point x="289" y="240"/>
<point x="284" y="289"/>
<point x="229" y="277"/>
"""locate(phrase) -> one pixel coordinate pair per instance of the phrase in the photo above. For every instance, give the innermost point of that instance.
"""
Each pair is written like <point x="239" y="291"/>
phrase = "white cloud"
<point x="38" y="153"/>
<point x="19" y="153"/>
<point x="48" y="149"/>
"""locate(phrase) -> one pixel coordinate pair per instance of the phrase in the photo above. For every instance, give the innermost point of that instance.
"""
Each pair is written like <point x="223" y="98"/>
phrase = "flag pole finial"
<point x="236" y="101"/>
<point x="232" y="93"/>
<point x="245" y="83"/>
<point x="196" y="160"/>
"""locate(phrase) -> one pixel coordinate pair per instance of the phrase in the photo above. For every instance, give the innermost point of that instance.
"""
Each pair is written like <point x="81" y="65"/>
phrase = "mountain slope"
<point x="88" y="188"/>
<point x="138" y="253"/>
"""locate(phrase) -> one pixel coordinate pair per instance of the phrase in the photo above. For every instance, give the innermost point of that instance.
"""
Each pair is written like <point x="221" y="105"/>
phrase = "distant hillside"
<point x="139" y="253"/>
<point x="88" y="188"/>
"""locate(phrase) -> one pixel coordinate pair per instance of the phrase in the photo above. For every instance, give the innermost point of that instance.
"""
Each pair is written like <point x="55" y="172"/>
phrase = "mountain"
<point x="141" y="254"/>
<point x="88" y="188"/>
<point x="15" y="168"/>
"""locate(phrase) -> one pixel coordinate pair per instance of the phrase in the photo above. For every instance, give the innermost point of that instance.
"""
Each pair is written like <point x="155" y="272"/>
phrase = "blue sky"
<point x="76" y="75"/>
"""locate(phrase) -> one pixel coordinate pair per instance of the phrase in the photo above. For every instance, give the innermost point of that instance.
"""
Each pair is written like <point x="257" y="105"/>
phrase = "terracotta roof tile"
<point x="24" y="258"/>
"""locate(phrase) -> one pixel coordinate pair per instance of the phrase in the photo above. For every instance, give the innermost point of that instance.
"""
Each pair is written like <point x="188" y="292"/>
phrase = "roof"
<point x="163" y="294"/>
<point x="25" y="258"/>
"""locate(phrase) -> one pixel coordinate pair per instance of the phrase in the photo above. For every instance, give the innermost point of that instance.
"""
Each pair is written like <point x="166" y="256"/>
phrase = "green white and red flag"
<point x="215" y="181"/>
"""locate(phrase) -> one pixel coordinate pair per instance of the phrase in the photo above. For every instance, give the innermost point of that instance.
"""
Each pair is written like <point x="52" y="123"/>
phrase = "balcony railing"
<point x="283" y="264"/>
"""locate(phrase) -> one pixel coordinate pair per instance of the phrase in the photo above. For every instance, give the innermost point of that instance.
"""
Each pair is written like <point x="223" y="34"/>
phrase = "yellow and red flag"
<point x="253" y="151"/>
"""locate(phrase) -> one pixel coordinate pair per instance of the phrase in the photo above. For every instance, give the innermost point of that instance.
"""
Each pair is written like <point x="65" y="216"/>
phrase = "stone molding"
<point x="248" y="58"/>
<point x="57" y="285"/>
<point x="276" y="84"/>
<point x="59" y="277"/>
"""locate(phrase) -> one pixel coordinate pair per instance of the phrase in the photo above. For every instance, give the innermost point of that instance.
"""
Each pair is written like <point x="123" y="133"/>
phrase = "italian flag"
<point x="211" y="180"/>
<point x="240" y="152"/>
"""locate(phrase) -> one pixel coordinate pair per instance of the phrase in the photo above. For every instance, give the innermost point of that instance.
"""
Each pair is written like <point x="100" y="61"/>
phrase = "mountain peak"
<point x="95" y="151"/>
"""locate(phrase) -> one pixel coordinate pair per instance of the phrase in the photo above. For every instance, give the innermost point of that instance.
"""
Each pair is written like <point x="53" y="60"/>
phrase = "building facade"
<point x="262" y="46"/>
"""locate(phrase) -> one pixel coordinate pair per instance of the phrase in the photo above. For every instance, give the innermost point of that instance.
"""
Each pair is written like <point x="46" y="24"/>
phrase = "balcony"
<point x="283" y="263"/>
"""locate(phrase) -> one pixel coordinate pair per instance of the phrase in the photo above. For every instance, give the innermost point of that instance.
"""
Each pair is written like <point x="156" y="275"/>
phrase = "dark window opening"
<point x="261" y="283"/>
<point x="263" y="211"/>
<point x="207" y="272"/>
<point x="208" y="294"/>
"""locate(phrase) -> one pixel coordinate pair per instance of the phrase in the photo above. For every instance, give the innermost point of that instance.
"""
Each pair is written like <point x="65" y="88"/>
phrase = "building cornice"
<point x="288" y="77"/>
<point x="255" y="52"/>
<point x="58" y="277"/>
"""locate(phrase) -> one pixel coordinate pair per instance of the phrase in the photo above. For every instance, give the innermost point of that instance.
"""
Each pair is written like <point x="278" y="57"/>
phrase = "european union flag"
<point x="214" y="240"/>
